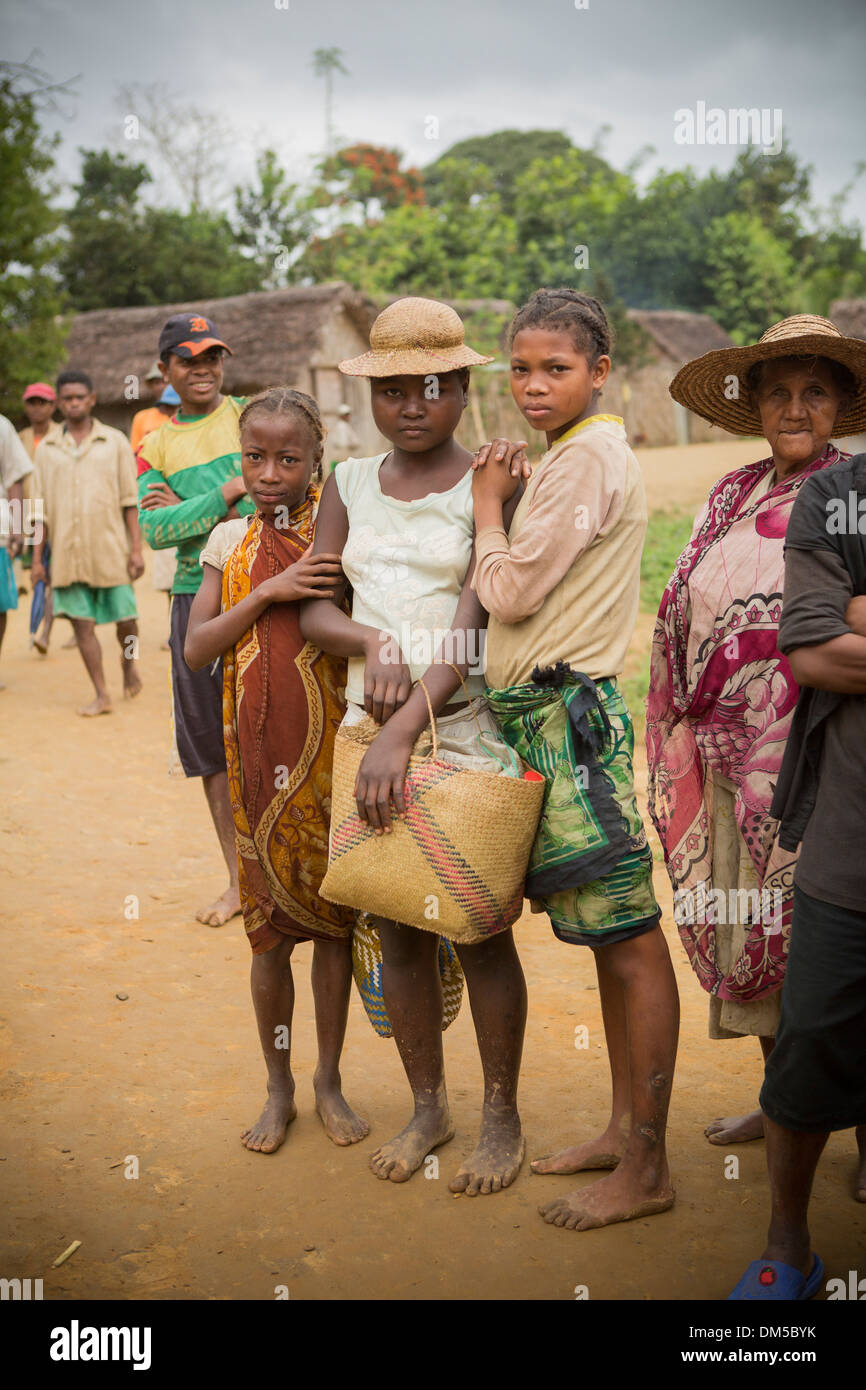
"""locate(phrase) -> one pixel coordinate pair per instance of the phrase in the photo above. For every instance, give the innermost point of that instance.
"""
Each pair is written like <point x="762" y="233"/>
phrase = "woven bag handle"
<point x="435" y="752"/>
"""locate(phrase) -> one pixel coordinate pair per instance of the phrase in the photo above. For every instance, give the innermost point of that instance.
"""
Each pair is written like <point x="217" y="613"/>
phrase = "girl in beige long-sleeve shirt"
<point x="561" y="586"/>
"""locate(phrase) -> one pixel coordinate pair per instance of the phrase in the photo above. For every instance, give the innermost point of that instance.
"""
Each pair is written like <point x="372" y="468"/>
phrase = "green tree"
<point x="31" y="340"/>
<point x="119" y="253"/>
<point x="192" y="255"/>
<point x="101" y="262"/>
<point x="462" y="248"/>
<point x="566" y="213"/>
<point x="751" y="273"/>
<point x="505" y="155"/>
<point x="271" y="221"/>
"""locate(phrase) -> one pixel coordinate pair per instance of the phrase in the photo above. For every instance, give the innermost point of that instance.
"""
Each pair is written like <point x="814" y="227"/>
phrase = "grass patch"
<point x="667" y="535"/>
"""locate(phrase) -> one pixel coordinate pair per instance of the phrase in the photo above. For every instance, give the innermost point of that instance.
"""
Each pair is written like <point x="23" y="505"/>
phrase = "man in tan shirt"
<point x="86" y="480"/>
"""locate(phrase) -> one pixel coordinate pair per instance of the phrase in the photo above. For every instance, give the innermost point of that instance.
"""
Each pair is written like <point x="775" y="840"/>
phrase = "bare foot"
<point x="621" y="1196"/>
<point x="736" y="1130"/>
<point x="603" y="1152"/>
<point x="72" y="643"/>
<point x="495" y="1161"/>
<point x="341" y="1123"/>
<point x="221" y="911"/>
<point x="403" y="1155"/>
<point x="269" y="1130"/>
<point x="101" y="705"/>
<point x="131" y="679"/>
<point x="41" y="645"/>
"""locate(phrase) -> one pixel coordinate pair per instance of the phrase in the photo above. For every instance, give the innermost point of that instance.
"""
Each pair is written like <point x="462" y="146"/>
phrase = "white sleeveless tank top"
<point x="406" y="562"/>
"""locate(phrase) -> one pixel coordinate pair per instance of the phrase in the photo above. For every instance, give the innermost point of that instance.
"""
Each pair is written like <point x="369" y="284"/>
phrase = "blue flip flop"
<point x="770" y="1281"/>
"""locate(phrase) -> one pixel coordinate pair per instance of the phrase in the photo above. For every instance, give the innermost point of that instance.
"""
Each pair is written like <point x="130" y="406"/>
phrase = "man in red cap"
<point x="39" y="404"/>
<point x="189" y="478"/>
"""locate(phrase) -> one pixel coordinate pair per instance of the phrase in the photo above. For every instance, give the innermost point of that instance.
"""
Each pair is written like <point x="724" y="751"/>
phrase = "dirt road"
<point x="91" y="830"/>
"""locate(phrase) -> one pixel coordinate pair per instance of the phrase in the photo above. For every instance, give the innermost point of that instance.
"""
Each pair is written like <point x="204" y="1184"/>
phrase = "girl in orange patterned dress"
<point x="283" y="700"/>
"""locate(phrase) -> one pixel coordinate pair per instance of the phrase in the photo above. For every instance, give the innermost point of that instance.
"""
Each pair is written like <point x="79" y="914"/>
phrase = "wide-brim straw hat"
<point x="414" y="337"/>
<point x="714" y="386"/>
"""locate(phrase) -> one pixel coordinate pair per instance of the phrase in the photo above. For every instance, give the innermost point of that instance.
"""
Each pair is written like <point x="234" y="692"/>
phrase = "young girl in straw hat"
<point x="402" y="522"/>
<point x="561" y="586"/>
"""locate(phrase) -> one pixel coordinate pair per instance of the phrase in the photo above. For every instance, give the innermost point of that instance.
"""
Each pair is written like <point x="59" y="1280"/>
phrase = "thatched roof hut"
<point x="849" y="316"/>
<point x="291" y="337"/>
<point x="678" y="336"/>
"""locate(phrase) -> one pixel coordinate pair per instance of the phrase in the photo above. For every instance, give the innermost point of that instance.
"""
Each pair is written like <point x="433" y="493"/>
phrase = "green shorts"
<point x="590" y="814"/>
<point x="114" y="605"/>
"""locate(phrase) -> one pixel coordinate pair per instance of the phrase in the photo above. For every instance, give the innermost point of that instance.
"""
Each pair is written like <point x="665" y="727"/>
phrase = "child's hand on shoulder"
<point x="511" y="455"/>
<point x="313" y="576"/>
<point x="498" y="469"/>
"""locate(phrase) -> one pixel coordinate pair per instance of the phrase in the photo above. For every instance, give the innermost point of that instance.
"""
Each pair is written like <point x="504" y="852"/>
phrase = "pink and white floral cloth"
<point x="721" y="698"/>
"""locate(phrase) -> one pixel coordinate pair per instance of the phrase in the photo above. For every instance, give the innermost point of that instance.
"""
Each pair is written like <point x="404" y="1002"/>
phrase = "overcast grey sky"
<point x="477" y="66"/>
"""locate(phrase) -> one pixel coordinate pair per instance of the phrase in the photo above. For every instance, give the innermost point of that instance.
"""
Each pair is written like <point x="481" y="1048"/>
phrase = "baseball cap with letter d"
<point x="187" y="335"/>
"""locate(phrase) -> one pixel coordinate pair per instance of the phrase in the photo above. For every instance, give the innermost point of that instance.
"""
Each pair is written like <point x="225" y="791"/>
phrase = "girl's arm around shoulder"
<point x="211" y="632"/>
<point x="575" y="497"/>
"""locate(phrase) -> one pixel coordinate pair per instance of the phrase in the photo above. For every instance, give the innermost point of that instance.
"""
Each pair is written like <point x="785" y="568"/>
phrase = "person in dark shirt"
<point x="815" y="1080"/>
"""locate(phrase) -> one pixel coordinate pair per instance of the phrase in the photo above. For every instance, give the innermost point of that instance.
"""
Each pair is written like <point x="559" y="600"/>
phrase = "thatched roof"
<point x="849" y="316"/>
<point x="680" y="335"/>
<point x="272" y="335"/>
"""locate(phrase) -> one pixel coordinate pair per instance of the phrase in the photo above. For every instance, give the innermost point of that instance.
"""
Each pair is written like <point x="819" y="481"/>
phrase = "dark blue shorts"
<point x="198" y="701"/>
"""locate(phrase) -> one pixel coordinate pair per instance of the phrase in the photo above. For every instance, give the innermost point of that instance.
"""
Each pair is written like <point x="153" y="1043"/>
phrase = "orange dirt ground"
<point x="172" y="1073"/>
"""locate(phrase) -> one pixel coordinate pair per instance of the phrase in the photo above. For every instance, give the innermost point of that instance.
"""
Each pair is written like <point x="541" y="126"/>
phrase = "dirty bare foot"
<point x="621" y="1196"/>
<point x="269" y="1130"/>
<point x="131" y="679"/>
<point x="101" y="705"/>
<point x="403" y="1155"/>
<point x="341" y="1123"/>
<point x="603" y="1152"/>
<point x="738" y="1129"/>
<point x="221" y="911"/>
<point x="495" y="1161"/>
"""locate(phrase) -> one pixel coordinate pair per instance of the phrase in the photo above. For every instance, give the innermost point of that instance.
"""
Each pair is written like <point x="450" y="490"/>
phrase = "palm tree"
<point x="327" y="61"/>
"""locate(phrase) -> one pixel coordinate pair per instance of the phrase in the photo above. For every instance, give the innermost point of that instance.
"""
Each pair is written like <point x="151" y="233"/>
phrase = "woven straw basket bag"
<point x="456" y="862"/>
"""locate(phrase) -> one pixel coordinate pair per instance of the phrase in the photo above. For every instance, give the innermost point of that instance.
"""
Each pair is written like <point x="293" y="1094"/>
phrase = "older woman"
<point x="721" y="695"/>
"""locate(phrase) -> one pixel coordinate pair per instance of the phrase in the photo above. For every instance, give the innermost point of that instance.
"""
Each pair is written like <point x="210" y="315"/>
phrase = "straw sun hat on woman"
<point x="413" y="337"/>
<point x="721" y="386"/>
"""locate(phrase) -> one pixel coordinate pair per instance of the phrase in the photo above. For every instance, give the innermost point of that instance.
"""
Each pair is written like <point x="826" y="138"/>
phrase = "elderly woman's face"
<point x="798" y="403"/>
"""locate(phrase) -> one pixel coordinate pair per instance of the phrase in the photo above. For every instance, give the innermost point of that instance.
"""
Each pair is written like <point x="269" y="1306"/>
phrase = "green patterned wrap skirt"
<point x="591" y="866"/>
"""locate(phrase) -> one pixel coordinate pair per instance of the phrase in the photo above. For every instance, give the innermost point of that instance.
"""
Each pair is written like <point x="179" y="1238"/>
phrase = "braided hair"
<point x="579" y="314"/>
<point x="285" y="400"/>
